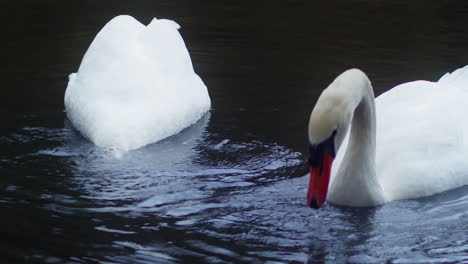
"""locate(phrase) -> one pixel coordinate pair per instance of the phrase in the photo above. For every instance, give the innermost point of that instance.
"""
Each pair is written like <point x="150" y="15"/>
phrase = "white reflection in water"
<point x="231" y="201"/>
<point x="106" y="174"/>
<point x="176" y="176"/>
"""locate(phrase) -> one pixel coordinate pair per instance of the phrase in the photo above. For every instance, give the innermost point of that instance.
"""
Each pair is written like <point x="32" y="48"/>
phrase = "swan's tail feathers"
<point x="166" y="23"/>
<point x="458" y="77"/>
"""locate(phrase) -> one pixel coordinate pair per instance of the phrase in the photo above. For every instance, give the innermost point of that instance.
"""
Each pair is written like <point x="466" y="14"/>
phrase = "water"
<point x="230" y="189"/>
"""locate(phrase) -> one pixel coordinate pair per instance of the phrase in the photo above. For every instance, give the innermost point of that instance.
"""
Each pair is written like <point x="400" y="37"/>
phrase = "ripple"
<point x="171" y="198"/>
<point x="204" y="197"/>
<point x="114" y="231"/>
<point x="191" y="209"/>
<point x="145" y="254"/>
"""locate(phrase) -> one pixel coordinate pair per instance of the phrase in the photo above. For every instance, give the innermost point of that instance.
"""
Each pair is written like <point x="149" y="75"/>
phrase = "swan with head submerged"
<point x="410" y="142"/>
<point x="136" y="85"/>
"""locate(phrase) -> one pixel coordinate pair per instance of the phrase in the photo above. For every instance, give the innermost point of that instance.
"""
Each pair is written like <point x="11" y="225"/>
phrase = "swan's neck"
<point x="356" y="182"/>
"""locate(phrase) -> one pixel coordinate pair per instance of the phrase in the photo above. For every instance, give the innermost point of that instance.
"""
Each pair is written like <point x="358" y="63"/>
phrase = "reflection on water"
<point x="428" y="230"/>
<point x="172" y="187"/>
<point x="201" y="197"/>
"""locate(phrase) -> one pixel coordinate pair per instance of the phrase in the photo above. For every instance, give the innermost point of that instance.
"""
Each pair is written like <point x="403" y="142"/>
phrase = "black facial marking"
<point x="316" y="152"/>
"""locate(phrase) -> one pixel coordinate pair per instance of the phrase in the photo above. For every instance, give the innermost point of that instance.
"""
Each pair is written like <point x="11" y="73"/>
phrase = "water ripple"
<point x="202" y="197"/>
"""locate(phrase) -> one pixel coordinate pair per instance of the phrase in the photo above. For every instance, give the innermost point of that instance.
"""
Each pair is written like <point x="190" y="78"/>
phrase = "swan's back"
<point x="422" y="137"/>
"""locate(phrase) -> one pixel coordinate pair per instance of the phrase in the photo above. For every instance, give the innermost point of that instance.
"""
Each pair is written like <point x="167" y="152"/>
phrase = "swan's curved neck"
<point x="356" y="180"/>
<point x="363" y="130"/>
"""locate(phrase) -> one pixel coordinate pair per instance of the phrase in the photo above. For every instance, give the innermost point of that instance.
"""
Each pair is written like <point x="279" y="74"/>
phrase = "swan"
<point x="410" y="142"/>
<point x="135" y="85"/>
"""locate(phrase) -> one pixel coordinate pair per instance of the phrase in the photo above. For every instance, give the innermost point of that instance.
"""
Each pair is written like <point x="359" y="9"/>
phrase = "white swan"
<point x="135" y="85"/>
<point x="412" y="142"/>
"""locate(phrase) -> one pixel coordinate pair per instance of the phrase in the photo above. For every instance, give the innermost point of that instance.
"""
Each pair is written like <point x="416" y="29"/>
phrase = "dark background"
<point x="258" y="58"/>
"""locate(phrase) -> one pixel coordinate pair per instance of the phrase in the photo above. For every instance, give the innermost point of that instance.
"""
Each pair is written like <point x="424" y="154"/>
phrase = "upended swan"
<point x="411" y="142"/>
<point x="136" y="85"/>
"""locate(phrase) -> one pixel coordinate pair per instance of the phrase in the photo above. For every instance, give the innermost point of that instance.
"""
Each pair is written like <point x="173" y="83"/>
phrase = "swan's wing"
<point x="163" y="44"/>
<point x="422" y="138"/>
<point x="458" y="78"/>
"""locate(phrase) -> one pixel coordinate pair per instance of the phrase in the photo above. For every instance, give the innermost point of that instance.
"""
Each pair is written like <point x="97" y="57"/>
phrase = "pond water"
<point x="231" y="188"/>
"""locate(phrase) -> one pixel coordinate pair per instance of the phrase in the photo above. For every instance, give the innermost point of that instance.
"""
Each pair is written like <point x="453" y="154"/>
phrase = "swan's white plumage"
<point x="135" y="85"/>
<point x="422" y="138"/>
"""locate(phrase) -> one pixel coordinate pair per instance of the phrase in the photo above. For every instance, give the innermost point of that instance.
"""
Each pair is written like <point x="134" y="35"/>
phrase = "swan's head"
<point x="328" y="125"/>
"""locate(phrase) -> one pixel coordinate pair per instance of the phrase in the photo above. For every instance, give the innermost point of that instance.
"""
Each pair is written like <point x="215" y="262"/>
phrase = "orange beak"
<point x="319" y="180"/>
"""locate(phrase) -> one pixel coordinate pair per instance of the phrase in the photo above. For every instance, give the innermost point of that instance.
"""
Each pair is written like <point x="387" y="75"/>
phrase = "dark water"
<point x="230" y="189"/>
